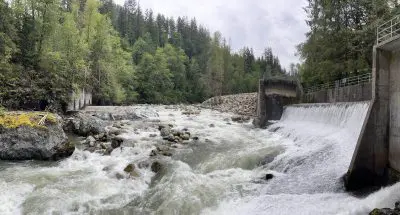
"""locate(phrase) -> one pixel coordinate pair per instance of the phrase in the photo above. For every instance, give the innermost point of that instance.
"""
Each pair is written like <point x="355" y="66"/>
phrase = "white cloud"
<point x="253" y="23"/>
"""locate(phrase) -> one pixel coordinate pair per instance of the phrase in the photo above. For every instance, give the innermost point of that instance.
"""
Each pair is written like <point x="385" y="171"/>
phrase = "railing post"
<point x="391" y="28"/>
<point x="377" y="35"/>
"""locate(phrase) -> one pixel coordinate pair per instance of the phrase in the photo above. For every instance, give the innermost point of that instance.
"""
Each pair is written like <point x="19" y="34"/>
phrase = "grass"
<point x="31" y="119"/>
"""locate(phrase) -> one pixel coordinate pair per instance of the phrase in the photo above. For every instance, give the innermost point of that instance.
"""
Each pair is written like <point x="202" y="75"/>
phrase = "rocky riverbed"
<point x="187" y="160"/>
<point x="102" y="130"/>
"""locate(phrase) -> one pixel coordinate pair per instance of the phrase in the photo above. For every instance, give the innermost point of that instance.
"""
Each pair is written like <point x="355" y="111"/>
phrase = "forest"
<point x="341" y="36"/>
<point x="122" y="54"/>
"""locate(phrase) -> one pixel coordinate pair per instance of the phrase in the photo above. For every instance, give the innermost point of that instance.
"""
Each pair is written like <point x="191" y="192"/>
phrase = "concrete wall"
<point x="274" y="105"/>
<point x="79" y="100"/>
<point x="370" y="159"/>
<point x="354" y="93"/>
<point x="394" y="111"/>
<point x="273" y="95"/>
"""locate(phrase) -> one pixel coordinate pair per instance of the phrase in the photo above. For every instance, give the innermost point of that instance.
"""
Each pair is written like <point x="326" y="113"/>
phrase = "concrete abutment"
<point x="273" y="96"/>
<point x="378" y="147"/>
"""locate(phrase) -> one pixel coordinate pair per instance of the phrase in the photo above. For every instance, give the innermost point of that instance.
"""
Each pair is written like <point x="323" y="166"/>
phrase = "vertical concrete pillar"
<point x="370" y="159"/>
<point x="261" y="105"/>
<point x="394" y="110"/>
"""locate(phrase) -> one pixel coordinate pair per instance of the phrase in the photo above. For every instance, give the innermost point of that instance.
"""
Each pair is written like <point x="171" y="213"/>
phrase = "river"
<point x="308" y="152"/>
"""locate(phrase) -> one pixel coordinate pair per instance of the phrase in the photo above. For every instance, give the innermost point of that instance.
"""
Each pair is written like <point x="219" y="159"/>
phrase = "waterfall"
<point x="347" y="117"/>
<point x="322" y="139"/>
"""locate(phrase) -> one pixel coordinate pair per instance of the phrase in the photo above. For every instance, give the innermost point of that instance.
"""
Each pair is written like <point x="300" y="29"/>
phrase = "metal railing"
<point x="359" y="79"/>
<point x="388" y="30"/>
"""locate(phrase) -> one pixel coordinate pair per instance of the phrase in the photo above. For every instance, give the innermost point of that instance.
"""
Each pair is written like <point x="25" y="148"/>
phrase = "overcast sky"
<point x="278" y="24"/>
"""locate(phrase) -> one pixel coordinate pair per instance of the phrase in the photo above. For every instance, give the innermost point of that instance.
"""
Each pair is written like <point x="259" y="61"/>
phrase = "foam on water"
<point x="308" y="152"/>
<point x="12" y="195"/>
<point x="323" y="139"/>
<point x="319" y="142"/>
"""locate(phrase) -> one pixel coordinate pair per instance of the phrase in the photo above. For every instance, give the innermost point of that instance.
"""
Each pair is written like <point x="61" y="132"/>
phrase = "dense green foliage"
<point x="49" y="48"/>
<point x="342" y="33"/>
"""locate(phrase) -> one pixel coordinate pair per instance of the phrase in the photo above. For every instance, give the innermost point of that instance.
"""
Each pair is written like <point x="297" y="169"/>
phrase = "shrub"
<point x="2" y="110"/>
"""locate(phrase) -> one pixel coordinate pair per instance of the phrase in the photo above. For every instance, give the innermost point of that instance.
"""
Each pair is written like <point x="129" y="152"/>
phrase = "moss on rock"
<point x="30" y="119"/>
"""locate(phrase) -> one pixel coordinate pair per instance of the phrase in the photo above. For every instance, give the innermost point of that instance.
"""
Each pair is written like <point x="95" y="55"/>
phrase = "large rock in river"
<point x="84" y="124"/>
<point x="28" y="140"/>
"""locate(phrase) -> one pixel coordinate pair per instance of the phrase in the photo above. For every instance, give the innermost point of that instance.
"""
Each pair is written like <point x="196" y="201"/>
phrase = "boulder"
<point x="162" y="148"/>
<point x="387" y="211"/>
<point x="144" y="164"/>
<point x="177" y="133"/>
<point x="91" y="141"/>
<point x="103" y="145"/>
<point x="268" y="176"/>
<point x="383" y="211"/>
<point x="191" y="112"/>
<point x="156" y="166"/>
<point x="130" y="169"/>
<point x="38" y="143"/>
<point x="240" y="119"/>
<point x="162" y="126"/>
<point x="84" y="125"/>
<point x="153" y="153"/>
<point x="116" y="142"/>
<point x="90" y="149"/>
<point x="177" y="139"/>
<point x="167" y="153"/>
<point x="118" y="125"/>
<point x="103" y="137"/>
<point x="186" y="136"/>
<point x="114" y="131"/>
<point x="165" y="131"/>
<point x="119" y="176"/>
<point x="170" y="138"/>
<point x="108" y="151"/>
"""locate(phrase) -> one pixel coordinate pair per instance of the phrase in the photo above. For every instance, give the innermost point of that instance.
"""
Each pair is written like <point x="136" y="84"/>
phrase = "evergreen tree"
<point x="339" y="43"/>
<point x="48" y="49"/>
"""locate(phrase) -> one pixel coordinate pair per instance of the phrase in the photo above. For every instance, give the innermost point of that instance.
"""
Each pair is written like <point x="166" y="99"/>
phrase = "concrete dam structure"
<point x="273" y="95"/>
<point x="367" y="131"/>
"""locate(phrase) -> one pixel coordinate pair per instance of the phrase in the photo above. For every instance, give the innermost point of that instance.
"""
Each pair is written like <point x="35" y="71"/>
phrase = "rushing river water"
<point x="307" y="152"/>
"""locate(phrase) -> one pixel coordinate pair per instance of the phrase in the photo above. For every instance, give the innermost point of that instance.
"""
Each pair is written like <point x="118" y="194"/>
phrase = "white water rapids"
<point x="308" y="151"/>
